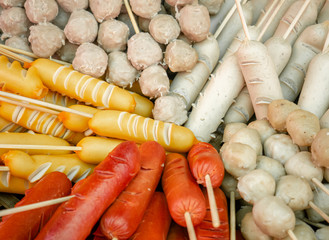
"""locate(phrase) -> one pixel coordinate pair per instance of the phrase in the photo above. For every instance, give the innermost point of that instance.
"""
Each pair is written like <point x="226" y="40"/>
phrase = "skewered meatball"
<point x="46" y="39"/>
<point x="19" y="43"/>
<point x="213" y="6"/>
<point x="124" y="17"/>
<point x="250" y="137"/>
<point x="230" y="129"/>
<point x="319" y="148"/>
<point x="120" y="71"/>
<point x="11" y="3"/>
<point x="41" y="11"/>
<point x="250" y="231"/>
<point x="194" y="21"/>
<point x="61" y="19"/>
<point x="105" y="9"/>
<point x="72" y="5"/>
<point x="263" y="127"/>
<point x="303" y="231"/>
<point x="145" y="8"/>
<point x="229" y="185"/>
<point x="143" y="51"/>
<point x="174" y="3"/>
<point x="90" y="59"/>
<point x="180" y="56"/>
<point x="113" y="35"/>
<point x="14" y="22"/>
<point x="164" y="28"/>
<point x="272" y="166"/>
<point x="321" y="200"/>
<point x="67" y="52"/>
<point x="322" y="233"/>
<point x="82" y="27"/>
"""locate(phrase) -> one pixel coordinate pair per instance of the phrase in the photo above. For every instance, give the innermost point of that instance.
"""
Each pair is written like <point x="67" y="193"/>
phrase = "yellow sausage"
<point x="7" y="126"/>
<point x="33" y="139"/>
<point x="58" y="99"/>
<point x="127" y="126"/>
<point x="12" y="184"/>
<point x="144" y="106"/>
<point x="82" y="87"/>
<point x="33" y="167"/>
<point x="14" y="78"/>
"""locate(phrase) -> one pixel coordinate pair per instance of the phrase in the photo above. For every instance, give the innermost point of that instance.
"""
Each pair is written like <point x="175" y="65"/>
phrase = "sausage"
<point x="12" y="184"/>
<point x="182" y="192"/>
<point x="156" y="220"/>
<point x="177" y="232"/>
<point x="204" y="160"/>
<point x="122" y="218"/>
<point x="75" y="218"/>
<point x="7" y="126"/>
<point x="33" y="167"/>
<point x="205" y="230"/>
<point x="82" y="87"/>
<point x="25" y="225"/>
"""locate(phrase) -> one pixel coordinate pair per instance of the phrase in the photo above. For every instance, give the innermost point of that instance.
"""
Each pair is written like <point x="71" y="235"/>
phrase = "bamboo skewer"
<point x="4" y="169"/>
<point x="34" y="206"/>
<point x="243" y="20"/>
<point x="131" y="16"/>
<point x="14" y="56"/>
<point x="190" y="227"/>
<point x="40" y="147"/>
<point x="320" y="185"/>
<point x="292" y="235"/>
<point x="267" y="14"/>
<point x="212" y="203"/>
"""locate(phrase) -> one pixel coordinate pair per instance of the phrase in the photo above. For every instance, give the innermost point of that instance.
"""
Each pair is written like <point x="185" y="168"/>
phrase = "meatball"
<point x="213" y="6"/>
<point x="250" y="231"/>
<point x="154" y="81"/>
<point x="120" y="71"/>
<point x="19" y="43"/>
<point x="143" y="51"/>
<point x="230" y="129"/>
<point x="113" y="35"/>
<point x="82" y="27"/>
<point x="72" y="5"/>
<point x="14" y="22"/>
<point x="250" y="137"/>
<point x="272" y="166"/>
<point x="263" y="127"/>
<point x="11" y="3"/>
<point x="105" y="9"/>
<point x="180" y="56"/>
<point x="320" y="148"/>
<point x="90" y="59"/>
<point x="194" y="21"/>
<point x="67" y="52"/>
<point x="145" y="8"/>
<point x="61" y="19"/>
<point x="174" y="3"/>
<point x="164" y="28"/>
<point x="46" y="39"/>
<point x="41" y="11"/>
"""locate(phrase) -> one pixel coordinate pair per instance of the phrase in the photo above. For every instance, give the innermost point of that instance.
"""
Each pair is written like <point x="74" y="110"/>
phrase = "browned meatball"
<point x="143" y="51"/>
<point x="194" y="21"/>
<point x="82" y="27"/>
<point x="46" y="39"/>
<point x="105" y="9"/>
<point x="164" y="28"/>
<point x="113" y="35"/>
<point x="41" y="11"/>
<point x="145" y="8"/>
<point x="72" y="5"/>
<point x="90" y="59"/>
<point x="11" y="3"/>
<point x="14" y="22"/>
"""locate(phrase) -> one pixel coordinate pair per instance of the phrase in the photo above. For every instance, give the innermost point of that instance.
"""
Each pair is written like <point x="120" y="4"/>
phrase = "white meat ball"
<point x="14" y="22"/>
<point x="230" y="184"/>
<point x="250" y="231"/>
<point x="19" y="43"/>
<point x="143" y="51"/>
<point x="82" y="27"/>
<point x="263" y="127"/>
<point x="164" y="28"/>
<point x="113" y="35"/>
<point x="46" y="39"/>
<point x="320" y="148"/>
<point x="120" y="71"/>
<point x="145" y="8"/>
<point x="41" y="11"/>
<point x="11" y="3"/>
<point x="72" y="5"/>
<point x="230" y="129"/>
<point x="105" y="9"/>
<point x="302" y="231"/>
<point x="90" y="59"/>
<point x="241" y="213"/>
<point x="272" y="166"/>
<point x="322" y="233"/>
<point x="321" y="200"/>
<point x="250" y="137"/>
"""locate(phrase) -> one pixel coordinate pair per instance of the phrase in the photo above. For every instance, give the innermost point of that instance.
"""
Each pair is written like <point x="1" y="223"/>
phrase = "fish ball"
<point x="14" y="22"/>
<point x="105" y="9"/>
<point x="272" y="166"/>
<point x="145" y="8"/>
<point x="320" y="148"/>
<point x="263" y="127"/>
<point x="164" y="28"/>
<point x="250" y="231"/>
<point x="41" y="11"/>
<point x="322" y="233"/>
<point x="250" y="137"/>
<point x="230" y="129"/>
<point x="321" y="200"/>
<point x="230" y="184"/>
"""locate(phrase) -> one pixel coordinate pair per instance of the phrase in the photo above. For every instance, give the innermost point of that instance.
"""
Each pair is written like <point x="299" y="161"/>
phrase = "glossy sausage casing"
<point x="75" y="218"/>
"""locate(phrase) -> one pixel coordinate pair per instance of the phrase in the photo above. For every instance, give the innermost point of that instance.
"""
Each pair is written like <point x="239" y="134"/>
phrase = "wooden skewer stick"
<point x="292" y="235"/>
<point x="267" y="14"/>
<point x="45" y="104"/>
<point x="326" y="44"/>
<point x="232" y="216"/>
<point x="320" y="185"/>
<point x="276" y="10"/>
<point x="190" y="227"/>
<point x="243" y="20"/>
<point x="40" y="147"/>
<point x="14" y="56"/>
<point x="4" y="169"/>
<point x="319" y="211"/>
<point x="296" y="19"/>
<point x="34" y="205"/>
<point x="317" y="225"/>
<point x="212" y="203"/>
<point x="131" y="16"/>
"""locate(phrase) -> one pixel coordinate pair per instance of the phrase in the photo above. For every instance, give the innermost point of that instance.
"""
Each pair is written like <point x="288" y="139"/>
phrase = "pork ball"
<point x="238" y="158"/>
<point x="302" y="231"/>
<point x="263" y="127"/>
<point x="124" y="17"/>
<point x="14" y="22"/>
<point x="280" y="147"/>
<point x="273" y="216"/>
<point x="250" y="137"/>
<point x="255" y="185"/>
<point x="301" y="165"/>
<point x="180" y="56"/>
<point x="113" y="35"/>
<point x="61" y="19"/>
<point x="145" y="8"/>
<point x="250" y="231"/>
<point x="230" y="184"/>
<point x="11" y="3"/>
<point x="46" y="39"/>
<point x="326" y="174"/>
<point x="174" y="3"/>
<point x="213" y="6"/>
<point x="321" y="200"/>
<point x="19" y="43"/>
<point x="320" y="148"/>
<point x="170" y="108"/>
<point x="230" y="129"/>
<point x="90" y="59"/>
<point x="72" y="5"/>
<point x="270" y="165"/>
<point x="194" y="21"/>
<point x="322" y="233"/>
<point x="120" y="71"/>
<point x="164" y="28"/>
<point x="144" y="23"/>
<point x="143" y="51"/>
<point x="67" y="52"/>
<point x="105" y="9"/>
<point x="82" y="27"/>
<point x="41" y="11"/>
<point x="294" y="191"/>
<point x="154" y="81"/>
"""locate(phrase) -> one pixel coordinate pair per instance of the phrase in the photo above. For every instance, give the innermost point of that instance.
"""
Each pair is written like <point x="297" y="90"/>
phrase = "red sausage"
<point x="75" y="218"/>
<point x="124" y="215"/>
<point x="26" y="225"/>
<point x="177" y="232"/>
<point x="204" y="159"/>
<point x="156" y="220"/>
<point x="182" y="192"/>
<point x="205" y="230"/>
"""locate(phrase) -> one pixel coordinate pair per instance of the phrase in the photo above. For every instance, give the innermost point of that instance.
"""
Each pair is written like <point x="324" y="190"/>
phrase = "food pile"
<point x="149" y="115"/>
